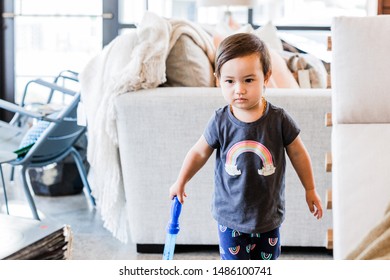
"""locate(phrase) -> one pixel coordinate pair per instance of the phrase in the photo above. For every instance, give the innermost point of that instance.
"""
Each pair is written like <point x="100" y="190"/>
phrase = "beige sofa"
<point x="156" y="127"/>
<point x="360" y="137"/>
<point x="138" y="138"/>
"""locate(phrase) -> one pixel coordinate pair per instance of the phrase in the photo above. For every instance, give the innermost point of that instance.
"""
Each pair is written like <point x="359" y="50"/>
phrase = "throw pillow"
<point x="223" y="30"/>
<point x="301" y="61"/>
<point x="281" y="76"/>
<point x="268" y="34"/>
<point x="32" y="135"/>
<point x="187" y="65"/>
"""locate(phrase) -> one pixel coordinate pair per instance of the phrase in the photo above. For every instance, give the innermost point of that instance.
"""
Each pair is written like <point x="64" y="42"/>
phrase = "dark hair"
<point x="239" y="45"/>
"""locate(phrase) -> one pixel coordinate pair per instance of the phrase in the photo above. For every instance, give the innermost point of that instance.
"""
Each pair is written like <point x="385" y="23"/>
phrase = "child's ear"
<point x="267" y="77"/>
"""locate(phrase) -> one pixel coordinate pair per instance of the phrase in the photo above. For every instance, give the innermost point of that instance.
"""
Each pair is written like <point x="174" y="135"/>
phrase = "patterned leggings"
<point x="235" y="245"/>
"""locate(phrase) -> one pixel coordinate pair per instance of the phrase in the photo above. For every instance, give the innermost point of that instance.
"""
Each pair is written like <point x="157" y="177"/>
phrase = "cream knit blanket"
<point x="129" y="63"/>
<point x="376" y="244"/>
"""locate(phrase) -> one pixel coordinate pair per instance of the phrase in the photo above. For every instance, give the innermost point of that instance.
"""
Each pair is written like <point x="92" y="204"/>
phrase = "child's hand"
<point x="177" y="190"/>
<point x="314" y="202"/>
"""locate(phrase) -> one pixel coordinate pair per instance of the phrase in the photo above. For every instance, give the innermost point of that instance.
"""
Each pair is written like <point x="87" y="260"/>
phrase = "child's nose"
<point x="239" y="88"/>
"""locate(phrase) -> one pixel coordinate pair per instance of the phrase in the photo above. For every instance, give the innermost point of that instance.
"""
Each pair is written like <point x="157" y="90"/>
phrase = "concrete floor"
<point x="91" y="241"/>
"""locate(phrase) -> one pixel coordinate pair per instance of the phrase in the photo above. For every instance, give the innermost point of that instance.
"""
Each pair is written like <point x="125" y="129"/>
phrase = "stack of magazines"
<point x="28" y="239"/>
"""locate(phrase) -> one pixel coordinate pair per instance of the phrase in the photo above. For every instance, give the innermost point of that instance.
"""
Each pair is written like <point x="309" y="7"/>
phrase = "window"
<point x="131" y="11"/>
<point x="54" y="35"/>
<point x="309" y="12"/>
<point x="281" y="12"/>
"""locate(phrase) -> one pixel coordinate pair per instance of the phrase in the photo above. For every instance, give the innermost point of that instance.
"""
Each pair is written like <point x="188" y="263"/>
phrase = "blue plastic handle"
<point x="173" y="225"/>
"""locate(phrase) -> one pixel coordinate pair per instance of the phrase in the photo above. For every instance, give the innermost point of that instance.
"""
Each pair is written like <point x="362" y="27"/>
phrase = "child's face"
<point x="242" y="80"/>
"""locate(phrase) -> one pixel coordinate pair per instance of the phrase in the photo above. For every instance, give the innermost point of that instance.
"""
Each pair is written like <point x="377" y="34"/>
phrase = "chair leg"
<point x="11" y="177"/>
<point x="83" y="173"/>
<point x="4" y="189"/>
<point x="27" y="191"/>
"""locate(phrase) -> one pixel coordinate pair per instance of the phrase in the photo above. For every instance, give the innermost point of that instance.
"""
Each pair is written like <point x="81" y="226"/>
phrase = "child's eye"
<point x="250" y="80"/>
<point x="229" y="81"/>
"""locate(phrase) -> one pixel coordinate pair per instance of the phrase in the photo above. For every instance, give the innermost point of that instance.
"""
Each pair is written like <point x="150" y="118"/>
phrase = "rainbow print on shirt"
<point x="249" y="146"/>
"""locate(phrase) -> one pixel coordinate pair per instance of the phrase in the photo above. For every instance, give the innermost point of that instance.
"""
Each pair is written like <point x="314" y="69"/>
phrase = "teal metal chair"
<point x="54" y="141"/>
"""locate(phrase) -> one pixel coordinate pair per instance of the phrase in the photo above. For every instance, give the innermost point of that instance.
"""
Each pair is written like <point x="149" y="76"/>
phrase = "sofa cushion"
<point x="360" y="182"/>
<point x="360" y="69"/>
<point x="187" y="65"/>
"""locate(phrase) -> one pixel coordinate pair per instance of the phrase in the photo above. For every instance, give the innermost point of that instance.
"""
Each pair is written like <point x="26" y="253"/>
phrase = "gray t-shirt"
<point x="250" y="168"/>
